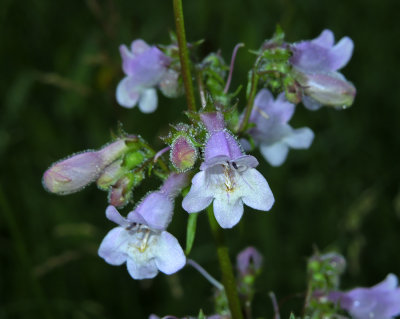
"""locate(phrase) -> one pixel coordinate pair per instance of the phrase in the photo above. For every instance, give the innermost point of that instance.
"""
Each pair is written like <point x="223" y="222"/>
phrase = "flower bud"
<point x="330" y="88"/>
<point x="170" y="84"/>
<point x="121" y="192"/>
<point x="249" y="261"/>
<point x="74" y="173"/>
<point x="111" y="175"/>
<point x="183" y="153"/>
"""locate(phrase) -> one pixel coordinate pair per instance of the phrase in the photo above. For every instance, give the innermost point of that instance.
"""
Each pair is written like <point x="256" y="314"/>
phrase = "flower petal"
<point x="113" y="215"/>
<point x="310" y="103"/>
<point x="199" y="196"/>
<point x="256" y="192"/>
<point x="221" y="144"/>
<point x="139" y="46"/>
<point x="325" y="39"/>
<point x="275" y="154"/>
<point x="228" y="212"/>
<point x="128" y="92"/>
<point x="341" y="53"/>
<point x="300" y="138"/>
<point x="156" y="209"/>
<point x="170" y="257"/>
<point x="142" y="270"/>
<point x="114" y="246"/>
<point x="148" y="100"/>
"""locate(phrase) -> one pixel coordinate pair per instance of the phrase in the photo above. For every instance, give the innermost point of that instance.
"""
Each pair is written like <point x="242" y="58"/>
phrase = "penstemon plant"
<point x="205" y="160"/>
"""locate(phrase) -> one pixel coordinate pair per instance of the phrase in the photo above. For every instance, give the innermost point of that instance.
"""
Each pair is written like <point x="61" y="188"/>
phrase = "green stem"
<point x="228" y="279"/>
<point x="250" y="101"/>
<point x="183" y="55"/>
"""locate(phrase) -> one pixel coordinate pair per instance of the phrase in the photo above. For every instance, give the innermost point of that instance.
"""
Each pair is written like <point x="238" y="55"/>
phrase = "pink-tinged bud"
<point x="183" y="153"/>
<point x="249" y="261"/>
<point x="110" y="175"/>
<point x="120" y="193"/>
<point x="330" y="88"/>
<point x="72" y="174"/>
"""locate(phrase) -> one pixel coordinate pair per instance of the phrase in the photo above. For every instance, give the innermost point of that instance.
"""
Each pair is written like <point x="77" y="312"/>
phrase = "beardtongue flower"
<point x="144" y="66"/>
<point x="316" y="63"/>
<point x="144" y="249"/>
<point x="72" y="174"/>
<point x="272" y="132"/>
<point x="227" y="178"/>
<point x="381" y="301"/>
<point x="141" y="240"/>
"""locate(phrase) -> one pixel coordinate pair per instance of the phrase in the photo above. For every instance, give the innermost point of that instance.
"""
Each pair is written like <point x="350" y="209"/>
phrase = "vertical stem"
<point x="228" y="279"/>
<point x="183" y="55"/>
<point x="250" y="101"/>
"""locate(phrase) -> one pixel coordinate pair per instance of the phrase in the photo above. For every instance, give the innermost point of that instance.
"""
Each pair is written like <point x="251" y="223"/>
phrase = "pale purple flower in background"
<point x="227" y="178"/>
<point x="381" y="301"/>
<point x="145" y="250"/>
<point x="249" y="261"/>
<point x="316" y="63"/>
<point x="272" y="132"/>
<point x="75" y="172"/>
<point x="144" y="67"/>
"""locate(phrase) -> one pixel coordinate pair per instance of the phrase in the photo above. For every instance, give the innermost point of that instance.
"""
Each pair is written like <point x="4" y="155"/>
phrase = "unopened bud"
<point x="121" y="192"/>
<point x="183" y="153"/>
<point x="330" y="89"/>
<point x="170" y="84"/>
<point x="249" y="261"/>
<point x="74" y="173"/>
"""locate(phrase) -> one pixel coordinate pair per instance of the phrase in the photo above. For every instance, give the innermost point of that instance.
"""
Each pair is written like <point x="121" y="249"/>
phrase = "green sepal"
<point x="191" y="232"/>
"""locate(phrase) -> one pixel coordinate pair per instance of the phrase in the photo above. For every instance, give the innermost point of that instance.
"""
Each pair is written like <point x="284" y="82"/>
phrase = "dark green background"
<point x="59" y="68"/>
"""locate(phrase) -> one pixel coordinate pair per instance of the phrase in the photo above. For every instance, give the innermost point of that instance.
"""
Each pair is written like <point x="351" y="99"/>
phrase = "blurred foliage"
<point x="59" y="69"/>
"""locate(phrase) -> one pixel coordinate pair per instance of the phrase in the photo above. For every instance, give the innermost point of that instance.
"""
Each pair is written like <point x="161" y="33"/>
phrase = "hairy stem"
<point x="183" y="55"/>
<point x="228" y="279"/>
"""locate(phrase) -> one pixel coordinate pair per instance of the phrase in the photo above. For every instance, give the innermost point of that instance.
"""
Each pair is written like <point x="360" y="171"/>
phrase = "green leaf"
<point x="191" y="232"/>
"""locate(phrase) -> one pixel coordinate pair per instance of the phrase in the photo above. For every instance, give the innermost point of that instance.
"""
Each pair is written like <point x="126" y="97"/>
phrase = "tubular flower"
<point x="144" y="67"/>
<point x="316" y="63"/>
<point x="72" y="174"/>
<point x="272" y="132"/>
<point x="381" y="301"/>
<point x="144" y="249"/>
<point x="227" y="178"/>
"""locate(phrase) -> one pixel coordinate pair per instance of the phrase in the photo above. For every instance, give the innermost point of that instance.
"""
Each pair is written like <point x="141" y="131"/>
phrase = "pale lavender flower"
<point x="316" y="63"/>
<point x="227" y="178"/>
<point x="141" y="240"/>
<point x="73" y="173"/>
<point x="144" y="249"/>
<point x="272" y="132"/>
<point x="144" y="67"/>
<point x="381" y="301"/>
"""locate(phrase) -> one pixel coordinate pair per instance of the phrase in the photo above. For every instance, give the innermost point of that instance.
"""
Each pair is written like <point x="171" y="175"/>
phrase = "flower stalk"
<point x="228" y="279"/>
<point x="183" y="55"/>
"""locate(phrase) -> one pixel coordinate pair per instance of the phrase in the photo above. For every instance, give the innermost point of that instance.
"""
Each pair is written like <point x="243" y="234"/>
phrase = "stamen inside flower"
<point x="229" y="177"/>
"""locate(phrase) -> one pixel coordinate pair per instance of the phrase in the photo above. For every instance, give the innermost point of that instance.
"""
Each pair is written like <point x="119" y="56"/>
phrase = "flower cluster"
<point x="226" y="179"/>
